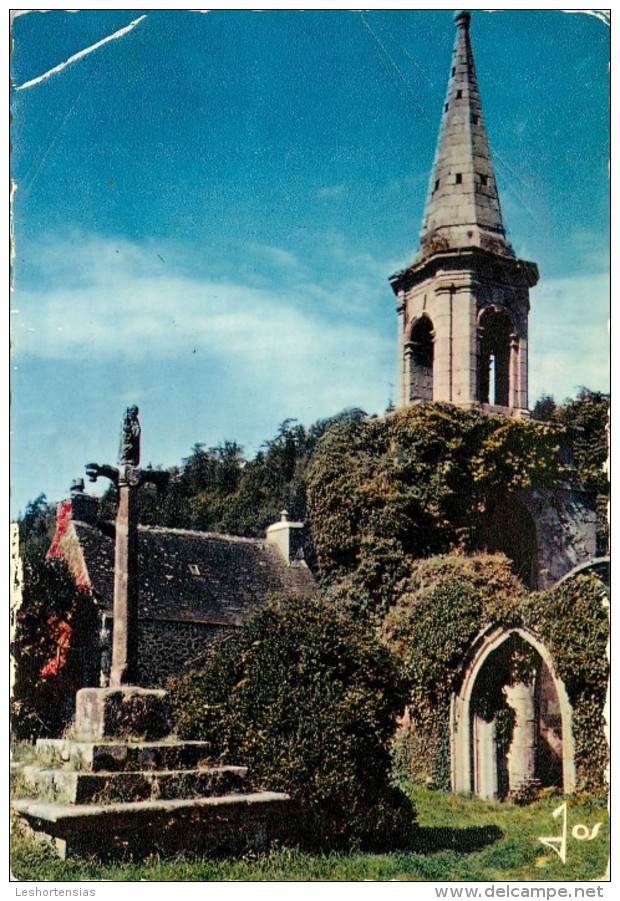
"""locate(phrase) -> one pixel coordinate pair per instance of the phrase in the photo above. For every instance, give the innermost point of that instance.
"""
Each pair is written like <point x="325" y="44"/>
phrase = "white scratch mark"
<point x="205" y="11"/>
<point x="603" y="15"/>
<point x="392" y="62"/>
<point x="76" y="56"/>
<point x="15" y="598"/>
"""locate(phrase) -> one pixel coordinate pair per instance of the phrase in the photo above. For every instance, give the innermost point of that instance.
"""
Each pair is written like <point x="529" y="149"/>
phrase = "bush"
<point x="52" y="637"/>
<point x="309" y="701"/>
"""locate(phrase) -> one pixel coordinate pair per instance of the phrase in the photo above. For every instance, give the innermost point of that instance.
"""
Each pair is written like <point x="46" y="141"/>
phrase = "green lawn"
<point x="458" y="839"/>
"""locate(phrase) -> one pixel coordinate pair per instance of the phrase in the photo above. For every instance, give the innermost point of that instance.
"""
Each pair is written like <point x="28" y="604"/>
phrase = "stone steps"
<point x="230" y="824"/>
<point x="112" y="787"/>
<point x="129" y="791"/>
<point x="117" y="756"/>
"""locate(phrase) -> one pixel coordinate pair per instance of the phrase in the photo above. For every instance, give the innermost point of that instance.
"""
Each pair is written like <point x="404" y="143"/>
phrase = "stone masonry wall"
<point x="565" y="530"/>
<point x="165" y="648"/>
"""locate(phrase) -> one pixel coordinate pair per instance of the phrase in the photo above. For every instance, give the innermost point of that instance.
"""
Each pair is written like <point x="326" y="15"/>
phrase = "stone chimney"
<point x="288" y="538"/>
<point x="84" y="507"/>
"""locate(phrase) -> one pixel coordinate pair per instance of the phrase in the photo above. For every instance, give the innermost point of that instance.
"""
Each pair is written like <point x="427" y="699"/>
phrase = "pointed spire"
<point x="462" y="206"/>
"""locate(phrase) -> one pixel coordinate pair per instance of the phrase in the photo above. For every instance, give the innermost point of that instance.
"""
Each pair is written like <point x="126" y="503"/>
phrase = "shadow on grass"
<point x="431" y="839"/>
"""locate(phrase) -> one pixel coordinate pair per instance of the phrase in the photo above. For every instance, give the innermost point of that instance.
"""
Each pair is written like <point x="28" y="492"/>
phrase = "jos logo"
<point x="579" y="832"/>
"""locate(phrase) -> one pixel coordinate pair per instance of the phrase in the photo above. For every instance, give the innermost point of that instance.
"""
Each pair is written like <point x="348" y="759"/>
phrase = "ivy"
<point x="445" y="603"/>
<point x="52" y="629"/>
<point x="308" y="700"/>
<point x="422" y="479"/>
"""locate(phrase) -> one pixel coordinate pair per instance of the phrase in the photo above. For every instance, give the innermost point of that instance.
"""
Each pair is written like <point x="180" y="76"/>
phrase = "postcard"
<point x="310" y="400"/>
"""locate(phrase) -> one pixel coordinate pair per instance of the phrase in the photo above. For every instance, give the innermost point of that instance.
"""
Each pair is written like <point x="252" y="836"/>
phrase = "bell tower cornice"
<point x="488" y="266"/>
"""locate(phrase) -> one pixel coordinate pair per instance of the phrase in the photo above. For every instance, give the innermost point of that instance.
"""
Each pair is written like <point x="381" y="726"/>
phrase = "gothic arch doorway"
<point x="494" y="358"/>
<point x="511" y="720"/>
<point x="421" y="359"/>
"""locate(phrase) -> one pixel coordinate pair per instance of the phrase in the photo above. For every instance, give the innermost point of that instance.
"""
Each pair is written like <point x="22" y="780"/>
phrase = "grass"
<point x="459" y="839"/>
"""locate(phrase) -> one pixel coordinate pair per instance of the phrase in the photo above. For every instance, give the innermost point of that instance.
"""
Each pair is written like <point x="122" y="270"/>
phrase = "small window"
<point x="459" y="94"/>
<point x="446" y="107"/>
<point x="194" y="569"/>
<point x="458" y="178"/>
<point x="454" y="70"/>
<point x="475" y="119"/>
<point x="484" y="180"/>
<point x="436" y="188"/>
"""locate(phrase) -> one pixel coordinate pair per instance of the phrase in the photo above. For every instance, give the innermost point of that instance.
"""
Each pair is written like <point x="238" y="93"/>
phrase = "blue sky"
<point x="208" y="208"/>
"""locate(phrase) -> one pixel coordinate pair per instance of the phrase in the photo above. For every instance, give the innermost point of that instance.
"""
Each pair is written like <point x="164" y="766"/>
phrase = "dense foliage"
<point x="51" y="624"/>
<point x="36" y="528"/>
<point x="309" y="701"/>
<point x="442" y="607"/>
<point x="217" y="489"/>
<point x="446" y="603"/>
<point x="420" y="482"/>
<point x="573" y="621"/>
<point x="51" y="629"/>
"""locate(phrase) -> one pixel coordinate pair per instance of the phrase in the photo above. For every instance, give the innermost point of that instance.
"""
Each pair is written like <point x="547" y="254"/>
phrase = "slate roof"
<point x="194" y="576"/>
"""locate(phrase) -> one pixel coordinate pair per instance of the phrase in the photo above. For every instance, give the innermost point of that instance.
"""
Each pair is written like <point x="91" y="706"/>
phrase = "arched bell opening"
<point x="511" y="722"/>
<point x="421" y="360"/>
<point x="495" y="331"/>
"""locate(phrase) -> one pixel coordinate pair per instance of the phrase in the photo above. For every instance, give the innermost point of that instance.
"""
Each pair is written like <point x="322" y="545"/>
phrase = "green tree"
<point x="544" y="408"/>
<point x="585" y="424"/>
<point x="586" y="420"/>
<point x="36" y="528"/>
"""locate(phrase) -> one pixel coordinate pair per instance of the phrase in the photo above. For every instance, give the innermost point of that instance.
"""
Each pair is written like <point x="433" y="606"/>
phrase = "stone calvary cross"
<point x="127" y="477"/>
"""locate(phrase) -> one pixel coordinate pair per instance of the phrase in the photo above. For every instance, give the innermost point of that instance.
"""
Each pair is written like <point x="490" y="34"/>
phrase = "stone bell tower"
<point x="463" y="302"/>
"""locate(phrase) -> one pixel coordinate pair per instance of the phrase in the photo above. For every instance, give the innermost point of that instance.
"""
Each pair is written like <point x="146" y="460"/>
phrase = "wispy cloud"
<point x="327" y="191"/>
<point x="276" y="255"/>
<point x="569" y="336"/>
<point x="104" y="301"/>
<point x="80" y="54"/>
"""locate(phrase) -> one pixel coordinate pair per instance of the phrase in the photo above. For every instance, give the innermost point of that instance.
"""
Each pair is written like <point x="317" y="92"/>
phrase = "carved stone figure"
<point x="129" y="452"/>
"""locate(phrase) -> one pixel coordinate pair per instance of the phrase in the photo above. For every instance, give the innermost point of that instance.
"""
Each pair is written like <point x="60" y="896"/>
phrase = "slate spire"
<point x="462" y="206"/>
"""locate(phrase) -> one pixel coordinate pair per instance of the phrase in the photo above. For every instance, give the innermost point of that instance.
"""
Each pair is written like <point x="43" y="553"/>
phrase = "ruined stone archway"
<point x="535" y="717"/>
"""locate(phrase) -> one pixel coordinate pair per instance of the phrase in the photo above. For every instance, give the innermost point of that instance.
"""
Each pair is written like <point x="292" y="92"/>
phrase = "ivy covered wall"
<point x="432" y="479"/>
<point x="404" y="513"/>
<point x="443" y="607"/>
